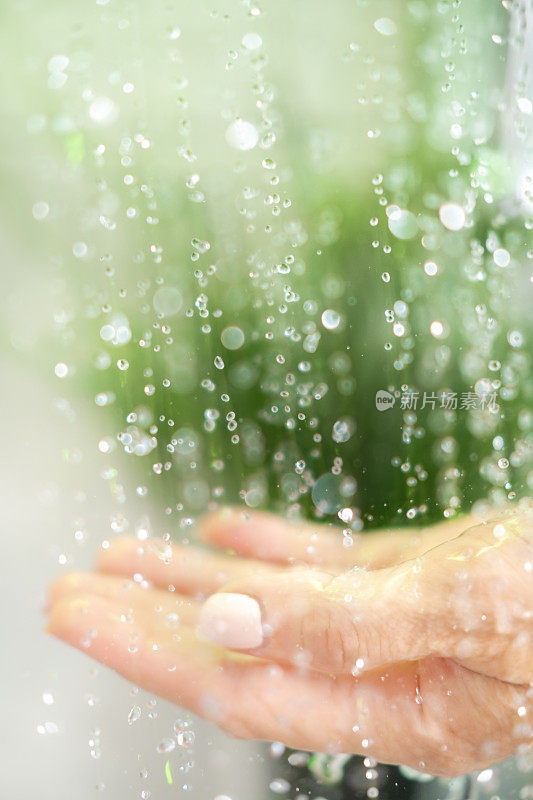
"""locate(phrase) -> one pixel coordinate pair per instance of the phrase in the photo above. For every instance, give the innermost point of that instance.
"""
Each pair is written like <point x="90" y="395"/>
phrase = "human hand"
<point x="412" y="647"/>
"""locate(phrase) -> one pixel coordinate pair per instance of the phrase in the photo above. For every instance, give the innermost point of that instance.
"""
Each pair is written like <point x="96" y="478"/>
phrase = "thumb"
<point x="349" y="623"/>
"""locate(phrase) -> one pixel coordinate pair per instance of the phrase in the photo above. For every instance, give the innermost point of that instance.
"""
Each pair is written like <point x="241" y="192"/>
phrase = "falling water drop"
<point x="252" y="41"/>
<point x="385" y="26"/>
<point x="330" y="319"/>
<point x="232" y="337"/>
<point x="402" y="223"/>
<point x="327" y="493"/>
<point x="452" y="216"/>
<point x="103" y="111"/>
<point x="242" y="135"/>
<point x="167" y="301"/>
<point x="134" y="714"/>
<point x="166" y="745"/>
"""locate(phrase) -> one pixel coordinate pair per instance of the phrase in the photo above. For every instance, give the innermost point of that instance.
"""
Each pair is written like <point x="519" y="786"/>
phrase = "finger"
<point x="175" y="608"/>
<point x="469" y="598"/>
<point x="346" y="624"/>
<point x="248" y="698"/>
<point x="271" y="538"/>
<point x="190" y="570"/>
<point x="376" y="715"/>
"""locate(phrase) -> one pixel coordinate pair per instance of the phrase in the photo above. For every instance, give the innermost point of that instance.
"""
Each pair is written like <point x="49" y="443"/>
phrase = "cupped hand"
<point x="409" y="647"/>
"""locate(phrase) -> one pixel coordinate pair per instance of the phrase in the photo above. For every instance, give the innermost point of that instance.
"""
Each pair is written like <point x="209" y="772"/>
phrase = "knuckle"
<point x="340" y="636"/>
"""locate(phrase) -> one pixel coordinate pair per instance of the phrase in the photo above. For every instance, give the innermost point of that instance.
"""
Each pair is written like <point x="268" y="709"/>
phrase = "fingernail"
<point x="232" y="620"/>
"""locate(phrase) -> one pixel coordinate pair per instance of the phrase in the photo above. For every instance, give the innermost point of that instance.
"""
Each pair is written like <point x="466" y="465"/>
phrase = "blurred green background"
<point x="117" y="115"/>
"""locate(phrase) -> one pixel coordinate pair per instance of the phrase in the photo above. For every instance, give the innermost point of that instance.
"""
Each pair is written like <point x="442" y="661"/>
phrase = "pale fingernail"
<point x="232" y="620"/>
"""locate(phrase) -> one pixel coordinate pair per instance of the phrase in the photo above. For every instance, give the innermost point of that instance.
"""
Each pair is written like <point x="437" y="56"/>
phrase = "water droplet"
<point x="515" y="338"/>
<point x="437" y="329"/>
<point x="79" y="249"/>
<point x="166" y="745"/>
<point x="61" y="370"/>
<point x="242" y="135"/>
<point x="385" y="26"/>
<point x="252" y="41"/>
<point x="502" y="258"/>
<point x="280" y="786"/>
<point x="452" y="216"/>
<point x="134" y="715"/>
<point x="167" y="301"/>
<point x="326" y="493"/>
<point x="232" y="337"/>
<point x="343" y="430"/>
<point x="58" y="63"/>
<point x="40" y="210"/>
<point x="200" y="245"/>
<point x="47" y="728"/>
<point x="57" y="80"/>
<point x="402" y="223"/>
<point x="117" y="331"/>
<point x="103" y="111"/>
<point x="330" y="319"/>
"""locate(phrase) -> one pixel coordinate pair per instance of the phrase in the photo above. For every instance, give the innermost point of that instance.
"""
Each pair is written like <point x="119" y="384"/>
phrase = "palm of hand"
<point x="421" y="653"/>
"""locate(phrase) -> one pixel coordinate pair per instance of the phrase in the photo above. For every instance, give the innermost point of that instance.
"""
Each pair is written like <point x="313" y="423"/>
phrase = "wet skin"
<point x="410" y="647"/>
